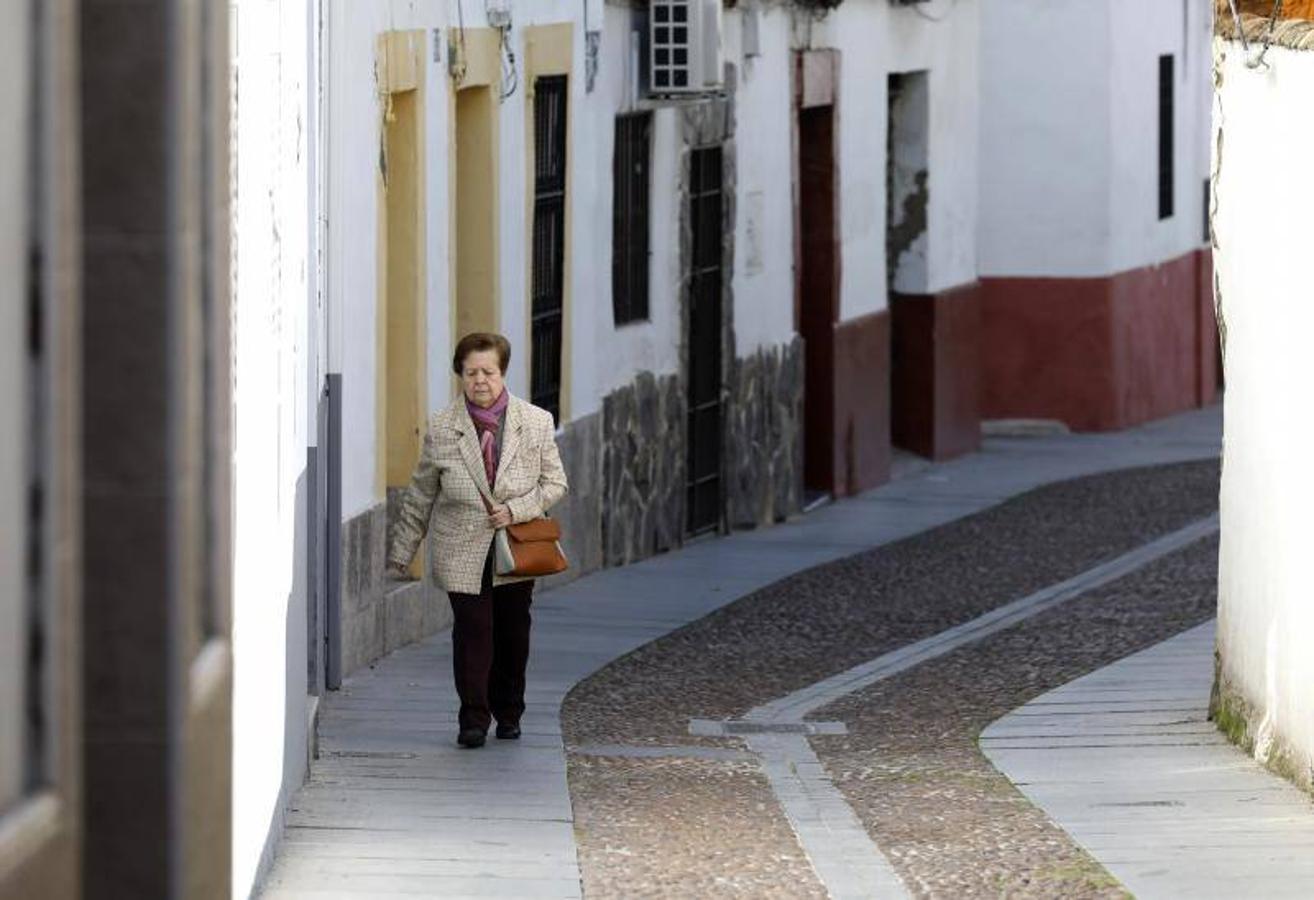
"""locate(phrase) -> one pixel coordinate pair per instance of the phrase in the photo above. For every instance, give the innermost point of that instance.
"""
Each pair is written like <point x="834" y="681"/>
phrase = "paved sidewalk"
<point x="1126" y="762"/>
<point x="392" y="805"/>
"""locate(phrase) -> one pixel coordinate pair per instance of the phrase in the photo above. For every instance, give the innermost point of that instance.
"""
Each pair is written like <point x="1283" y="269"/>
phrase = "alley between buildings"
<point x="610" y="794"/>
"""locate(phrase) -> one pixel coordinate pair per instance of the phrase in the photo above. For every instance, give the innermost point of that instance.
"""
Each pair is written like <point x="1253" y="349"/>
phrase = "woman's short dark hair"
<point x="480" y="341"/>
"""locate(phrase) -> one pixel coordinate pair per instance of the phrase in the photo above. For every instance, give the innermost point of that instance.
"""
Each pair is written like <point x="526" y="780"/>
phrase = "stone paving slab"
<point x="1168" y="817"/>
<point x="585" y="624"/>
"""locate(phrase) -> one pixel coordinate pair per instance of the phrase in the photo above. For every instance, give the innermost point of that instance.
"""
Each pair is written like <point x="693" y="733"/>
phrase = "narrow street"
<point x="683" y="449"/>
<point x="949" y="823"/>
<point x="621" y="786"/>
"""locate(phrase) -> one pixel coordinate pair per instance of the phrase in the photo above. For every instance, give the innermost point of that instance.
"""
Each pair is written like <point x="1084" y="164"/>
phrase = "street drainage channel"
<point x="844" y="856"/>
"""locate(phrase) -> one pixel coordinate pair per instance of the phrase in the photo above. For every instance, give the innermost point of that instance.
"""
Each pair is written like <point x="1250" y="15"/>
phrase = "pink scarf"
<point x="485" y="422"/>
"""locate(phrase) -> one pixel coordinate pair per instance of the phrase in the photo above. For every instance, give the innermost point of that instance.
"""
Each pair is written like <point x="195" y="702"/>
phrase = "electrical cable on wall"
<point x="382" y="80"/>
<point x="499" y="17"/>
<point x="1268" y="37"/>
<point x="1257" y="62"/>
<point x="510" y="77"/>
<point x="456" y="56"/>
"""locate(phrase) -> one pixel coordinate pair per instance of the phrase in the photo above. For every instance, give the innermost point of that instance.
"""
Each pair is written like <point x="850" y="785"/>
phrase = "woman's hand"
<point x="500" y="517"/>
<point x="398" y="572"/>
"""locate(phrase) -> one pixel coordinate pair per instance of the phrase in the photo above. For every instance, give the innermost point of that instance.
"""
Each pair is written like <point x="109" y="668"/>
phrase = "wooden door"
<point x="818" y="302"/>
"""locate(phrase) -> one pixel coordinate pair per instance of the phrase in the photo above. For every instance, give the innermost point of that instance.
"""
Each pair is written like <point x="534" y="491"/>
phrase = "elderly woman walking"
<point x="489" y="460"/>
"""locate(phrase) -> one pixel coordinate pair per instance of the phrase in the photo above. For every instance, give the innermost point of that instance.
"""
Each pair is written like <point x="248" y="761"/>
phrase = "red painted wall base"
<point x="862" y="404"/>
<point x="935" y="409"/>
<point x="1100" y="353"/>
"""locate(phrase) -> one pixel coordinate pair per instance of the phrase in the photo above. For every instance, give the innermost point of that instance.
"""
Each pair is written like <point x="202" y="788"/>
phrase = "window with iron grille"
<point x="1165" y="136"/>
<point x="629" y="218"/>
<point x="549" y="242"/>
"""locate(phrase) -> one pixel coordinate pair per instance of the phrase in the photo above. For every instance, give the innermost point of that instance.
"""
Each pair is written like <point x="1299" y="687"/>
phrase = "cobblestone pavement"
<point x="910" y="767"/>
<point x="673" y="827"/>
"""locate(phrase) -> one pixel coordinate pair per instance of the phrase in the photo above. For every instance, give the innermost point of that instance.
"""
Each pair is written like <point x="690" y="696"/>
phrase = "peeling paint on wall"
<point x="908" y="182"/>
<point x="907" y="224"/>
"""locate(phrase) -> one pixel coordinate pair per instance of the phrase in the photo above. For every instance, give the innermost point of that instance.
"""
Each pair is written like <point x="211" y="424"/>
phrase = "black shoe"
<point x="508" y="732"/>
<point x="470" y="738"/>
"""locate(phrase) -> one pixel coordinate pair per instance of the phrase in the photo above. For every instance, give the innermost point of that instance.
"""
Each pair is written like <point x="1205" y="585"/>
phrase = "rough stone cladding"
<point x="379" y="616"/>
<point x="643" y="468"/>
<point x="764" y="475"/>
<point x="644" y="429"/>
<point x="580" y="512"/>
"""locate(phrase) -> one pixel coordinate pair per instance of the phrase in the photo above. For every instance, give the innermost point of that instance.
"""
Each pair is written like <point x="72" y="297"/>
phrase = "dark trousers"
<point x="490" y="649"/>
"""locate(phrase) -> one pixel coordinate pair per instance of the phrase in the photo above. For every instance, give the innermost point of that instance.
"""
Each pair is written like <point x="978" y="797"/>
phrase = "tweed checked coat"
<point x="443" y="497"/>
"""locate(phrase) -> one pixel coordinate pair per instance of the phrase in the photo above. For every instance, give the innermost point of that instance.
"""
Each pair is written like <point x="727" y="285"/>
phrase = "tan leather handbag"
<point x="530" y="549"/>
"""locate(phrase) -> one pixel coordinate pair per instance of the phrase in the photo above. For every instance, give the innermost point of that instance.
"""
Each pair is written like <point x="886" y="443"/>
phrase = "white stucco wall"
<point x="14" y="38"/>
<point x="875" y="39"/>
<point x="352" y="129"/>
<point x="1142" y="32"/>
<point x="1264" y="217"/>
<point x="272" y="426"/>
<point x="764" y="225"/>
<point x="1044" y="148"/>
<point x="1069" y="135"/>
<point x="605" y="357"/>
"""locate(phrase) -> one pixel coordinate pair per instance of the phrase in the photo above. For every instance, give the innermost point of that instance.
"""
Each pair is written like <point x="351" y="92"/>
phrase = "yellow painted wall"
<point x="401" y="393"/>
<point x="473" y="138"/>
<point x="405" y="289"/>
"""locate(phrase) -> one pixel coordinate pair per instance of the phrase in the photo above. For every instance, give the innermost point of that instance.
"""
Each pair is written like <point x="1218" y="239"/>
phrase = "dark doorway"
<point x="703" y="463"/>
<point x="818" y="301"/>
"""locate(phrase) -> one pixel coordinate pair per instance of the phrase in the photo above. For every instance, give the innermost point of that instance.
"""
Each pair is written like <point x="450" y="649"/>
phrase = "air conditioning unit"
<point x="684" y="47"/>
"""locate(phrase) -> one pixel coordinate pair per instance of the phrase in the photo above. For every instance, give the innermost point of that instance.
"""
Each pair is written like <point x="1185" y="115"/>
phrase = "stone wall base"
<point x="764" y="437"/>
<point x="580" y="512"/>
<point x="643" y="468"/>
<point x="379" y="616"/>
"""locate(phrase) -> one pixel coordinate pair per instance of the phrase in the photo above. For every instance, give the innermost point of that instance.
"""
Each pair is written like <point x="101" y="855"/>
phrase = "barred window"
<point x="548" y="300"/>
<point x="629" y="217"/>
